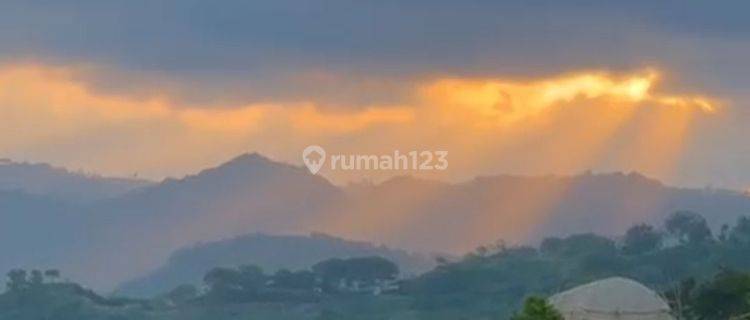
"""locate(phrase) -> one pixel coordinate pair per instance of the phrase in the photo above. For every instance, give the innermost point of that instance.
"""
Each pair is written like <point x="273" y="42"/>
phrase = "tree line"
<point x="701" y="273"/>
<point x="494" y="280"/>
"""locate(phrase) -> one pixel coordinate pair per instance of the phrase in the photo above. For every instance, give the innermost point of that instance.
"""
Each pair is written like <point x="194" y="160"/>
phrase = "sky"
<point x="166" y="88"/>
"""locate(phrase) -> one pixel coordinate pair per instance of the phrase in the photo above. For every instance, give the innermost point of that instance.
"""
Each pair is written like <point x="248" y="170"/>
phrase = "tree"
<point x="363" y="270"/>
<point x="724" y="233"/>
<point x="482" y="251"/>
<point x="536" y="308"/>
<point x="222" y="282"/>
<point x="37" y="278"/>
<point x="182" y="293"/>
<point x="294" y="280"/>
<point x="52" y="274"/>
<point x="578" y="245"/>
<point x="17" y="280"/>
<point x="441" y="261"/>
<point x="726" y="296"/>
<point x="740" y="234"/>
<point x="552" y="245"/>
<point x="688" y="227"/>
<point x="679" y="294"/>
<point x="220" y="276"/>
<point x="230" y="284"/>
<point x="251" y="278"/>
<point x="641" y="238"/>
<point x="370" y="269"/>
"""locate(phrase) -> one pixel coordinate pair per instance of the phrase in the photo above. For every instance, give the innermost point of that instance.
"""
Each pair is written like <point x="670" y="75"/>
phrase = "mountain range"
<point x="270" y="252"/>
<point x="60" y="183"/>
<point x="105" y="238"/>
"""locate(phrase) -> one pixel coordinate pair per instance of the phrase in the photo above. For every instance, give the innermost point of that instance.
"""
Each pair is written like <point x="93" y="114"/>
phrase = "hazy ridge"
<point x="114" y="240"/>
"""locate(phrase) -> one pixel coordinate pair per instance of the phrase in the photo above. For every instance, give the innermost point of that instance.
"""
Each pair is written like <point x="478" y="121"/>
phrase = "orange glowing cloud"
<point x="46" y="108"/>
<point x="505" y="101"/>
<point x="557" y="124"/>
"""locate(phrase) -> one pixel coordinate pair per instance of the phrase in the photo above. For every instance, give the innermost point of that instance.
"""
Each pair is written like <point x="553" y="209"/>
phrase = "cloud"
<point x="559" y="124"/>
<point x="513" y="101"/>
<point x="48" y="114"/>
<point x="237" y="52"/>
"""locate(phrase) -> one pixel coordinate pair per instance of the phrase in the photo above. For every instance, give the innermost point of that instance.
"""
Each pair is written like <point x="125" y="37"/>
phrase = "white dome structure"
<point x="611" y="299"/>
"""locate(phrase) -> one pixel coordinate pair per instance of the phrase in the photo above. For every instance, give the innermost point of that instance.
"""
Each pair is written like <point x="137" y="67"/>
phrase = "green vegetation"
<point x="40" y="295"/>
<point x="537" y="308"/>
<point x="493" y="281"/>
<point x="703" y="276"/>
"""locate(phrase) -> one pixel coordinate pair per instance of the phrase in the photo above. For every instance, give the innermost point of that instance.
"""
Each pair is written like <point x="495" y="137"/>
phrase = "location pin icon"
<point x="314" y="157"/>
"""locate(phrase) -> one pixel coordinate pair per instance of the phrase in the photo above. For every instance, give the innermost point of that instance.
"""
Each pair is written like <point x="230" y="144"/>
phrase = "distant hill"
<point x="271" y="252"/>
<point x="37" y="230"/>
<point x="44" y="179"/>
<point x="521" y="209"/>
<point x="250" y="193"/>
<point x="63" y="300"/>
<point x="109" y="241"/>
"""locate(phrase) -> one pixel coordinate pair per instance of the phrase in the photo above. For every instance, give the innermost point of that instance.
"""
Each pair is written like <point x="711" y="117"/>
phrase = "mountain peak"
<point x="239" y="176"/>
<point x="246" y="163"/>
<point x="250" y="158"/>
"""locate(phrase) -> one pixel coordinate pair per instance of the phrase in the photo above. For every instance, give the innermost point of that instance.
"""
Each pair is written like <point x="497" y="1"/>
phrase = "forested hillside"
<point x="703" y="275"/>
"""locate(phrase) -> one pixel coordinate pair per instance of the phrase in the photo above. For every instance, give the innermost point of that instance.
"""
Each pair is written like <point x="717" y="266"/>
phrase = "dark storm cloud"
<point x="259" y="49"/>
